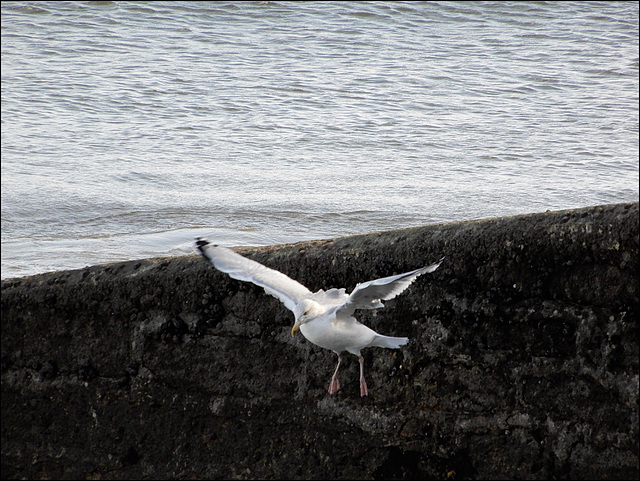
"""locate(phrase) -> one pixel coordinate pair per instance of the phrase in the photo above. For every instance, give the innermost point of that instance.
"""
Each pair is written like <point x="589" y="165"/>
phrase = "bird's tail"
<point x="389" y="342"/>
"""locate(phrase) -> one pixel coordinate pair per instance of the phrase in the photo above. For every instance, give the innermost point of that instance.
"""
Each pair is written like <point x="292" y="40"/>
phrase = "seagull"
<point x="325" y="318"/>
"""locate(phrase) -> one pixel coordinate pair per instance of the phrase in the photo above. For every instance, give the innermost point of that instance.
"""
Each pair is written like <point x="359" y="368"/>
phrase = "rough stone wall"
<point x="522" y="363"/>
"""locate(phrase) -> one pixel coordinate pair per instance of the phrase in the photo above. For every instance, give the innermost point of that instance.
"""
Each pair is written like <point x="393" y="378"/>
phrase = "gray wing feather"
<point x="276" y="283"/>
<point x="369" y="294"/>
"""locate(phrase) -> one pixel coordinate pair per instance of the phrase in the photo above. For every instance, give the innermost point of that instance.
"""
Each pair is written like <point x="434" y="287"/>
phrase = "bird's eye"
<point x="306" y="312"/>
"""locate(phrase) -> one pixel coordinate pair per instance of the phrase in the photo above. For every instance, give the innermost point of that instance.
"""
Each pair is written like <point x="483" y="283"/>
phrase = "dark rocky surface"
<point x="523" y="361"/>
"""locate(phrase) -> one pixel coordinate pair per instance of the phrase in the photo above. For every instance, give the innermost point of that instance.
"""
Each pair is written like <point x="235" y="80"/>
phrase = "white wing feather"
<point x="276" y="283"/>
<point x="369" y="294"/>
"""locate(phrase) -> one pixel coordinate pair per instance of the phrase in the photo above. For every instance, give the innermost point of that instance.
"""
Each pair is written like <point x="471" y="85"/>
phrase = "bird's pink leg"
<point x="334" y="385"/>
<point x="363" y="383"/>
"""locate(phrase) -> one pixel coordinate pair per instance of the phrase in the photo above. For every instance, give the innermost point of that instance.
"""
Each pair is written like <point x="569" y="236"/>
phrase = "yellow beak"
<point x="295" y="328"/>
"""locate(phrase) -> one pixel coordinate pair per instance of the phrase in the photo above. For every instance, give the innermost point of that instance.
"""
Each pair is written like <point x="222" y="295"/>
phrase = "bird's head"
<point x="305" y="311"/>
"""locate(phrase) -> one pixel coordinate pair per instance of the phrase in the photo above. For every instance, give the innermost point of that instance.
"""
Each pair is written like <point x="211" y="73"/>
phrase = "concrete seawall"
<point x="522" y="363"/>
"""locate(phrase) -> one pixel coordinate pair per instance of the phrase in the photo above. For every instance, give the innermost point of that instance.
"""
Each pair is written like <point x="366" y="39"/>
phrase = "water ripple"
<point x="130" y="127"/>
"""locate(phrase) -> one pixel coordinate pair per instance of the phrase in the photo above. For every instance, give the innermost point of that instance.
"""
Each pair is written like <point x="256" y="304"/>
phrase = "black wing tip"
<point x="202" y="243"/>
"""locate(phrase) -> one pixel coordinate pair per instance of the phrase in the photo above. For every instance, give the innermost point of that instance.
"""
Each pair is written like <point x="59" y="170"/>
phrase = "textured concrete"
<point x="523" y="361"/>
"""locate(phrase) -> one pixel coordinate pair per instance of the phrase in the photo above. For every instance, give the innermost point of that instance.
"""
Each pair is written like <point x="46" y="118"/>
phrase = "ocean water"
<point x="130" y="128"/>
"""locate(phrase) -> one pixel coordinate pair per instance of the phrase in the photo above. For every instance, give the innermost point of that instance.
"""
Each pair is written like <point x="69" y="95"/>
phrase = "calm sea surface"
<point x="129" y="128"/>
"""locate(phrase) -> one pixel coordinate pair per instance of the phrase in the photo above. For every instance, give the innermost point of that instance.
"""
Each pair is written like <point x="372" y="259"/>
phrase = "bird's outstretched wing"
<point x="273" y="282"/>
<point x="369" y="294"/>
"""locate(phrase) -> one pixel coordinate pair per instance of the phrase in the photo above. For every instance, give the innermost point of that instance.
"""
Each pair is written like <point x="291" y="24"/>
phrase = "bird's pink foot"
<point x="363" y="383"/>
<point x="334" y="385"/>
<point x="363" y="387"/>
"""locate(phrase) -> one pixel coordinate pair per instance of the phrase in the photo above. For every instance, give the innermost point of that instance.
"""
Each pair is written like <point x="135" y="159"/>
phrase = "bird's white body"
<point x="329" y="329"/>
<point x="325" y="318"/>
<point x="338" y="335"/>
